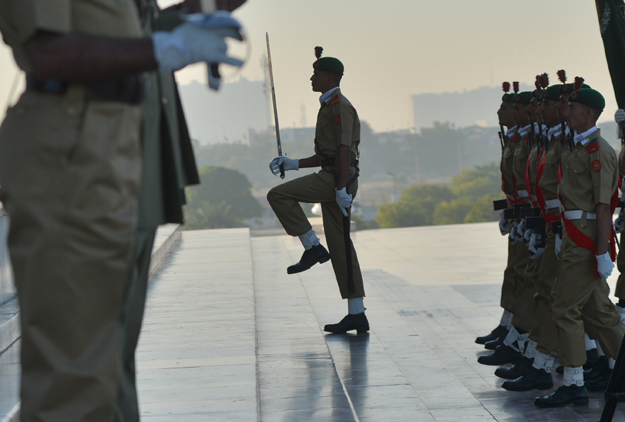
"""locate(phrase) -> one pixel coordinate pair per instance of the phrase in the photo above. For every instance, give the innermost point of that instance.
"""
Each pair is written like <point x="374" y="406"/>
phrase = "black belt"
<point x="128" y="90"/>
<point x="331" y="161"/>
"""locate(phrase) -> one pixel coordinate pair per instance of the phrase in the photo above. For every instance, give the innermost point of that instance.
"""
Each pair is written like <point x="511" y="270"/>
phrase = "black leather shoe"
<point x="492" y="345"/>
<point x="563" y="396"/>
<point x="601" y="383"/>
<point x="516" y="371"/>
<point x="316" y="254"/>
<point x="356" y="322"/>
<point x="535" y="379"/>
<point x="598" y="370"/>
<point x="500" y="331"/>
<point x="591" y="358"/>
<point x="503" y="354"/>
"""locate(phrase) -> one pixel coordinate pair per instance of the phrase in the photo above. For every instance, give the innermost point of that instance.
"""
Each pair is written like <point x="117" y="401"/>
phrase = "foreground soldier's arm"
<point x="342" y="166"/>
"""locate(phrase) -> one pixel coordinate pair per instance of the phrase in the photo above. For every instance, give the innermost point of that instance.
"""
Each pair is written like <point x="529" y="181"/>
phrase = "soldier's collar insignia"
<point x="592" y="147"/>
<point x="335" y="100"/>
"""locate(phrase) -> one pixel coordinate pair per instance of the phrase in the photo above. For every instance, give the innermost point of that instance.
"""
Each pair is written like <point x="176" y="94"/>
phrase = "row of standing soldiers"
<point x="561" y="181"/>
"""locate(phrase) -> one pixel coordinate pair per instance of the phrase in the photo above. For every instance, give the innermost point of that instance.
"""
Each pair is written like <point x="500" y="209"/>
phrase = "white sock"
<point x="543" y="361"/>
<point x="355" y="306"/>
<point x="309" y="239"/>
<point x="590" y="343"/>
<point x="611" y="363"/>
<point x="506" y="317"/>
<point x="530" y="351"/>
<point x="513" y="335"/>
<point x="573" y="376"/>
<point x="600" y="350"/>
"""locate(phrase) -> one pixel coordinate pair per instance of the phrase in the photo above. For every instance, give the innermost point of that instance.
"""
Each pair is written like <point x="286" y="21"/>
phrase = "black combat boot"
<point x="601" y="383"/>
<point x="535" y="379"/>
<point x="356" y="322"/>
<point x="516" y="371"/>
<point x="492" y="345"/>
<point x="563" y="396"/>
<point x="500" y="331"/>
<point x="598" y="370"/>
<point x="316" y="254"/>
<point x="592" y="356"/>
<point x="503" y="354"/>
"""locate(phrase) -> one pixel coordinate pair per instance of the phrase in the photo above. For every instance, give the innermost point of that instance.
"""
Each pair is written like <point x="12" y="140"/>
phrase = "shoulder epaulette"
<point x="593" y="146"/>
<point x="335" y="100"/>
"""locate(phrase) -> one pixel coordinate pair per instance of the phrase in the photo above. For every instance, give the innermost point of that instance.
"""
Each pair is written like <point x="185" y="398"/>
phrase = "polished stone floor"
<point x="229" y="336"/>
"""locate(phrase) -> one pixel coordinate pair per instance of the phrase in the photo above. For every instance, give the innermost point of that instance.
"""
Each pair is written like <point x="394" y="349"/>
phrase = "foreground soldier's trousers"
<point x="318" y="188"/>
<point x="507" y="287"/>
<point x="543" y="329"/>
<point x="69" y="171"/>
<point x="520" y="299"/>
<point x="132" y="317"/>
<point x="581" y="303"/>
<point x="619" y="291"/>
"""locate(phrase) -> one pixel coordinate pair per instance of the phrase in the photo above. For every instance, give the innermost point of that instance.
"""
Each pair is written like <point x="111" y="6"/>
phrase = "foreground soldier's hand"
<point x="558" y="247"/>
<point x="289" y="164"/>
<point x="189" y="43"/>
<point x="503" y="224"/>
<point x="604" y="265"/>
<point x="344" y="200"/>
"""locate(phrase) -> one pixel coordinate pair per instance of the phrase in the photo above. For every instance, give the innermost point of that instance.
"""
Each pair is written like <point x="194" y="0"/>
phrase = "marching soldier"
<point x="619" y="223"/>
<point x="580" y="293"/>
<point x="70" y="169"/>
<point x="337" y="138"/>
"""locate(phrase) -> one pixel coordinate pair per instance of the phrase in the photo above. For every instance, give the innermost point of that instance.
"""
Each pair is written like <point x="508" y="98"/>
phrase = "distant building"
<point x="477" y="107"/>
<point x="230" y="115"/>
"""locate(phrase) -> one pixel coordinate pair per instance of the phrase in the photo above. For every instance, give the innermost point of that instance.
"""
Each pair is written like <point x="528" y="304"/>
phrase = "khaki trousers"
<point x="69" y="171"/>
<point x="520" y="297"/>
<point x="507" y="287"/>
<point x="619" y="292"/>
<point x="318" y="188"/>
<point x="543" y="329"/>
<point x="581" y="303"/>
<point x="132" y="318"/>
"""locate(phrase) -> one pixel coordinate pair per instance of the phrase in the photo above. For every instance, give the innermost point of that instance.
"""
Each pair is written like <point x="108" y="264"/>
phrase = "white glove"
<point x="527" y="236"/>
<point x="619" y="116"/>
<point x="289" y="164"/>
<point x="558" y="245"/>
<point x="604" y="265"/>
<point x="344" y="200"/>
<point x="536" y="247"/>
<point x="190" y="43"/>
<point x="513" y="238"/>
<point x="503" y="224"/>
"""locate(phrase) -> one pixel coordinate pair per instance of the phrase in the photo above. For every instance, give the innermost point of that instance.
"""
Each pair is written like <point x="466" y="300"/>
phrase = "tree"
<point x="483" y="210"/>
<point x="414" y="208"/>
<point x="482" y="180"/>
<point x="222" y="200"/>
<point x="452" y="212"/>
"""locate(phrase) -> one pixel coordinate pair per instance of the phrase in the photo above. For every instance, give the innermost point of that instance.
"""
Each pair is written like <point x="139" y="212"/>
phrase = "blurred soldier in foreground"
<point x="336" y="151"/>
<point x="70" y="167"/>
<point x="168" y="166"/>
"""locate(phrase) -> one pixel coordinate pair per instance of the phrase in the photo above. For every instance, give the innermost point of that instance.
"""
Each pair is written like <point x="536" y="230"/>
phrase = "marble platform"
<point x="229" y="336"/>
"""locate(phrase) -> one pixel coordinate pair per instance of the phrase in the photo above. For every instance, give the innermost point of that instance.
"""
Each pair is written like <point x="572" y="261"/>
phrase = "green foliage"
<point x="415" y="207"/>
<point x="468" y="199"/>
<point x="222" y="200"/>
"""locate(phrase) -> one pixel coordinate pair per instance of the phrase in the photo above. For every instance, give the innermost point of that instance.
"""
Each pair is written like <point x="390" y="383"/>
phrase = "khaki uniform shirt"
<point x="533" y="167"/>
<point x="21" y="19"/>
<point x="551" y="171"/>
<point x="337" y="124"/>
<point x="589" y="175"/>
<point x="507" y="162"/>
<point x="521" y="154"/>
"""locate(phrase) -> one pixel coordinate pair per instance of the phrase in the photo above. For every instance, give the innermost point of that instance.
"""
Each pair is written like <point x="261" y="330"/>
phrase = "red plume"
<point x="318" y="52"/>
<point x="562" y="75"/>
<point x="544" y="80"/>
<point x="515" y="86"/>
<point x="537" y="83"/>
<point x="578" y="83"/>
<point x="506" y="86"/>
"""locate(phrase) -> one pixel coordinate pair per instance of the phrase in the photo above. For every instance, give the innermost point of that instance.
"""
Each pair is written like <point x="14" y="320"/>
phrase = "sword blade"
<point x="275" y="106"/>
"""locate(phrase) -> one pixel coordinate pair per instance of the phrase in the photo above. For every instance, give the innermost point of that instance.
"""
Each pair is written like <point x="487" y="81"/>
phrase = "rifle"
<point x="275" y="107"/>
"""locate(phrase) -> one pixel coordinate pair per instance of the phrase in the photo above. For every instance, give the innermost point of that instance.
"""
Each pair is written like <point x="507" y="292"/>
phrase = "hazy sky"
<point x="393" y="49"/>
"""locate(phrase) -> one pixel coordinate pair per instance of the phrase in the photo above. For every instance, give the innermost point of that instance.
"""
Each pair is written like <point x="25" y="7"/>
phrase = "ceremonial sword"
<point x="275" y="107"/>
